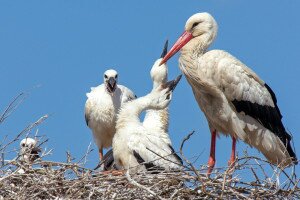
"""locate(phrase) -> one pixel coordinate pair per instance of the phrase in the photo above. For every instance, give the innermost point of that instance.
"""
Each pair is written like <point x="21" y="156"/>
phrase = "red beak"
<point x="183" y="39"/>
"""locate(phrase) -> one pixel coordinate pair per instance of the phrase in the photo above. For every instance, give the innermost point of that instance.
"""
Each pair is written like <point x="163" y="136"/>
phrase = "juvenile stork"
<point x="29" y="151"/>
<point x="158" y="120"/>
<point x="233" y="98"/>
<point x="102" y="106"/>
<point x="137" y="148"/>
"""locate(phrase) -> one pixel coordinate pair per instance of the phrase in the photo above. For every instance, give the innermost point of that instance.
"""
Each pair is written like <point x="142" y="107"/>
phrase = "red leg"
<point x="101" y="153"/>
<point x="232" y="157"/>
<point x="212" y="160"/>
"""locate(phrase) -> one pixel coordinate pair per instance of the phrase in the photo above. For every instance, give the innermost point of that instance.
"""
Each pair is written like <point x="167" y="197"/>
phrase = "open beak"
<point x="183" y="39"/>
<point x="111" y="84"/>
<point x="165" y="50"/>
<point x="171" y="85"/>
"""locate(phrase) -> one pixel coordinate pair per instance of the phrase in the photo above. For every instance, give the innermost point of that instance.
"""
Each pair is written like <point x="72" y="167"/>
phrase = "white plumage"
<point x="155" y="120"/>
<point x="29" y="150"/>
<point x="137" y="148"/>
<point x="158" y="120"/>
<point x="102" y="106"/>
<point x="233" y="98"/>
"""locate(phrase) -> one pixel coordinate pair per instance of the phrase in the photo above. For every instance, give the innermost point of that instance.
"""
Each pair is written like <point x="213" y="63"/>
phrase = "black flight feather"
<point x="269" y="117"/>
<point x="174" y="153"/>
<point x="108" y="159"/>
<point x="149" y="165"/>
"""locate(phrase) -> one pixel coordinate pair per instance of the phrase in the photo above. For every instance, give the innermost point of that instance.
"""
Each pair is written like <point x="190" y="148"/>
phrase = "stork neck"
<point x="191" y="52"/>
<point x="155" y="84"/>
<point x="160" y="77"/>
<point x="196" y="47"/>
<point x="131" y="111"/>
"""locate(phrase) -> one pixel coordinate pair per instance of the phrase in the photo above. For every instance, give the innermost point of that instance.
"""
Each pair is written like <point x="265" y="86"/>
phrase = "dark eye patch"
<point x="195" y="24"/>
<point x="105" y="76"/>
<point x="116" y="76"/>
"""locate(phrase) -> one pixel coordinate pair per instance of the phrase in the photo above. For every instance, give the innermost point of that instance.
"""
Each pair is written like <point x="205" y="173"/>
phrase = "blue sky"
<point x="65" y="46"/>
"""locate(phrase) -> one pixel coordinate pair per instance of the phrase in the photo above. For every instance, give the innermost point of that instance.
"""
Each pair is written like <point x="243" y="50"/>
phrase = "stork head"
<point x="29" y="150"/>
<point x="162" y="95"/>
<point x="159" y="73"/>
<point x="110" y="80"/>
<point x="200" y="27"/>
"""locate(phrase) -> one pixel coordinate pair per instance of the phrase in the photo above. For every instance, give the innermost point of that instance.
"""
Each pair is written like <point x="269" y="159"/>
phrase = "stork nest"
<point x="43" y="179"/>
<point x="72" y="181"/>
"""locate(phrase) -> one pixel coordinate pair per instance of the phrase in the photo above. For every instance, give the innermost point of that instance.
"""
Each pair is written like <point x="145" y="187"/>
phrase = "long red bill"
<point x="183" y="39"/>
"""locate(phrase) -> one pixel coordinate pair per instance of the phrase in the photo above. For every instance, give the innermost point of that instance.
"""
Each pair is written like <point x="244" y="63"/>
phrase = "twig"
<point x="12" y="106"/>
<point x="133" y="182"/>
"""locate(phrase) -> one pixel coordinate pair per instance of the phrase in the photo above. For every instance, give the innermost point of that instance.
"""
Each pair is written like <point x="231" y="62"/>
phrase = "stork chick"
<point x="102" y="106"/>
<point x="29" y="151"/>
<point x="138" y="148"/>
<point x="158" y="120"/>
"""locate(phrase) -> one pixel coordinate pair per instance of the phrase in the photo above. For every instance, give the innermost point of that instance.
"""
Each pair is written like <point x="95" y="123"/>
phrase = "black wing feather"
<point x="149" y="165"/>
<point x="175" y="154"/>
<point x="269" y="117"/>
<point x="109" y="161"/>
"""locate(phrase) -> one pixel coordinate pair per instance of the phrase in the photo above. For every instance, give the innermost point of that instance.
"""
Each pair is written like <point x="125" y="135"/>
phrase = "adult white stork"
<point x="233" y="98"/>
<point x="29" y="151"/>
<point x="102" y="106"/>
<point x="158" y="120"/>
<point x="136" y="148"/>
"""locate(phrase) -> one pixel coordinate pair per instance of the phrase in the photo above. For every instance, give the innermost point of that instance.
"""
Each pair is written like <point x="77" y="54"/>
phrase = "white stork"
<point x="158" y="120"/>
<point x="136" y="148"/>
<point x="102" y="106"/>
<point x="29" y="151"/>
<point x="233" y="98"/>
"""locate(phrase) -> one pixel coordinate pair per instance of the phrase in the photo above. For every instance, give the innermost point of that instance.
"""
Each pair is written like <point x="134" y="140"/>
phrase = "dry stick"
<point x="12" y="106"/>
<point x="187" y="161"/>
<point x="294" y="188"/>
<point x="271" y="165"/>
<point x="291" y="181"/>
<point x="84" y="157"/>
<point x="262" y="169"/>
<point x="26" y="130"/>
<point x="133" y="182"/>
<point x="175" y="193"/>
<point x="230" y="170"/>
<point x="255" y="175"/>
<point x="224" y="179"/>
<point x="43" y="142"/>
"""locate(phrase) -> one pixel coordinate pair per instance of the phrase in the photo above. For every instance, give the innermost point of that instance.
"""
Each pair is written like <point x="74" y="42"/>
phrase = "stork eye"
<point x="116" y="76"/>
<point x="195" y="24"/>
<point x="23" y="144"/>
<point x="105" y="76"/>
